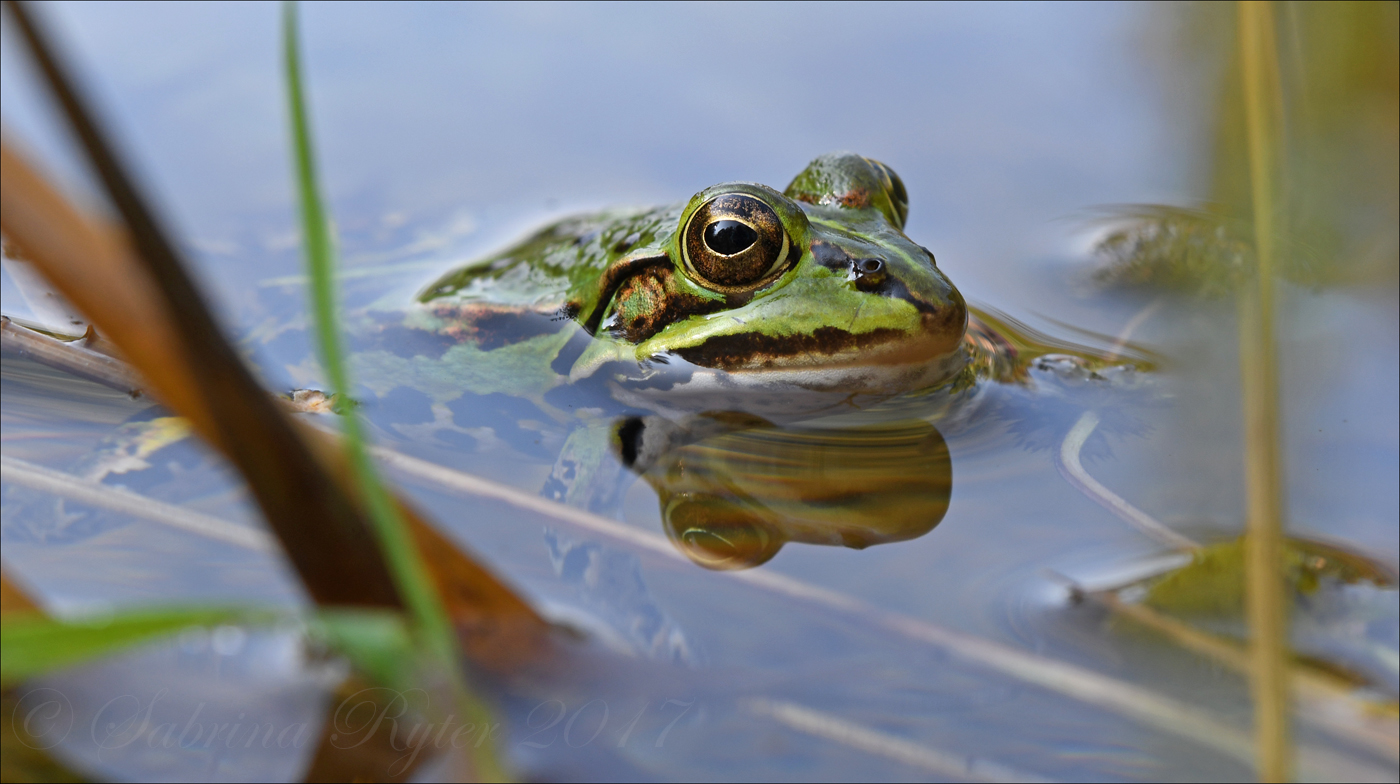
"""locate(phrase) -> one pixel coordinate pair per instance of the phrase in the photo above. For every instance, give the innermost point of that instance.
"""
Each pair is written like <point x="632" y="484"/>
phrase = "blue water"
<point x="445" y="131"/>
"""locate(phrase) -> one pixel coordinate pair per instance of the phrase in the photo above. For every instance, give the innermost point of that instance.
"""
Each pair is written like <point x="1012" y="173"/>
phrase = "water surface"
<point x="447" y="131"/>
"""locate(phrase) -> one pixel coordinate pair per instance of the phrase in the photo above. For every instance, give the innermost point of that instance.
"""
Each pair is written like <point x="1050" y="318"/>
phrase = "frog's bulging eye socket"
<point x="899" y="197"/>
<point x="734" y="242"/>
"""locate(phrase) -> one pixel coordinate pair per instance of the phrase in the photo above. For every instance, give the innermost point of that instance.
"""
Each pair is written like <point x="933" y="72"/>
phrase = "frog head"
<point x="816" y="288"/>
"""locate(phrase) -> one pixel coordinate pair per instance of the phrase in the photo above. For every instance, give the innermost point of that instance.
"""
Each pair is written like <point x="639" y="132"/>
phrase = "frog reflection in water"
<point x="707" y="323"/>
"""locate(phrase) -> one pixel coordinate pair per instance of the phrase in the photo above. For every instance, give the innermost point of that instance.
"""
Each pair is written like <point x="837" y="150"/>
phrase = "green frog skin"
<point x="742" y="290"/>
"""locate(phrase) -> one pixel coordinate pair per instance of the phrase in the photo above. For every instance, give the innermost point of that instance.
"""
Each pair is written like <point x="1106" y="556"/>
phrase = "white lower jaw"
<point x="670" y="385"/>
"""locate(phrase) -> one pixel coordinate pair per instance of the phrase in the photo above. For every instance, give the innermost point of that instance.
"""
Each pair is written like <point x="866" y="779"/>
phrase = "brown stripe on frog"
<point x="753" y="351"/>
<point x="649" y="301"/>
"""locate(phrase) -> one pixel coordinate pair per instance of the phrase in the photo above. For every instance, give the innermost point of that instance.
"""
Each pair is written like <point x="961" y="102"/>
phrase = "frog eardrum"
<point x="734" y="242"/>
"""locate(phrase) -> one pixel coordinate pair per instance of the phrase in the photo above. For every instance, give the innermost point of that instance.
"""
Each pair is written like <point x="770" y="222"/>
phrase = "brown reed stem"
<point x="1264" y="589"/>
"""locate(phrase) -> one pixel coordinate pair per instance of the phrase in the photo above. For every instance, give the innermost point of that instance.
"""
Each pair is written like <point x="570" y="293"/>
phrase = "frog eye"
<point x="734" y="242"/>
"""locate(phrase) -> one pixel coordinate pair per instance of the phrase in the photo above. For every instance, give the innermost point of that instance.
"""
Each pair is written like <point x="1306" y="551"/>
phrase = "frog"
<point x="806" y="299"/>
<point x="637" y="342"/>
<point x="641" y="331"/>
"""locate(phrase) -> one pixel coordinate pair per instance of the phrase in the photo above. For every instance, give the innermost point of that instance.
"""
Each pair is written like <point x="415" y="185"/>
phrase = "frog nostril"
<point x="868" y="274"/>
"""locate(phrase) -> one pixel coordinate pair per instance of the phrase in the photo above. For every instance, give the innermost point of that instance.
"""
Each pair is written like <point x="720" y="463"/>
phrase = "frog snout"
<point x="942" y="313"/>
<point x="947" y="321"/>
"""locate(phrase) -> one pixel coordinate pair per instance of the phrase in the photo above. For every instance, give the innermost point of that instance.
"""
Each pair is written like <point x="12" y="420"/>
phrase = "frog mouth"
<point x="757" y="351"/>
<point x="786" y="391"/>
<point x="938" y="334"/>
<point x="886" y="343"/>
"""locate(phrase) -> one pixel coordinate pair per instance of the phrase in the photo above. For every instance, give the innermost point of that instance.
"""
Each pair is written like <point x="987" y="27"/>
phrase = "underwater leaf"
<point x="1213" y="583"/>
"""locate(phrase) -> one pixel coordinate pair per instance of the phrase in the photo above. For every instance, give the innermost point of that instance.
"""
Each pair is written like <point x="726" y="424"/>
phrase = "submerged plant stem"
<point x="65" y="485"/>
<point x="1264" y="583"/>
<point x="1073" y="472"/>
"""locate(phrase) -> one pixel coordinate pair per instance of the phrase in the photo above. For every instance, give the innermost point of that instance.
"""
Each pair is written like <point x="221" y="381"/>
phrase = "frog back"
<point x="555" y="270"/>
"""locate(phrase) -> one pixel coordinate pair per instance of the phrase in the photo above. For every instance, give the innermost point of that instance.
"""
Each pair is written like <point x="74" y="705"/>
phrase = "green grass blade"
<point x="35" y="644"/>
<point x="409" y="572"/>
<point x="430" y="619"/>
<point x="377" y="642"/>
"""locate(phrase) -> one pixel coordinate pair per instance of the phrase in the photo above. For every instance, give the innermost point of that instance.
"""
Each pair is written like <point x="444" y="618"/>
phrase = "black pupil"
<point x="727" y="237"/>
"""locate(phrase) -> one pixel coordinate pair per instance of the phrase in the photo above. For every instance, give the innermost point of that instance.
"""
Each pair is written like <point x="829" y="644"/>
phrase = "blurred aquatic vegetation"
<point x="376" y="639"/>
<point x="35" y="644"/>
<point x="1344" y="607"/>
<point x="1304" y="185"/>
<point x="1005" y="350"/>
<point x="1155" y="247"/>
<point x="1213" y="583"/>
<point x="1343" y="628"/>
<point x="356" y="548"/>
<point x="1335" y="172"/>
<point x="1342" y="671"/>
<point x="430" y="627"/>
